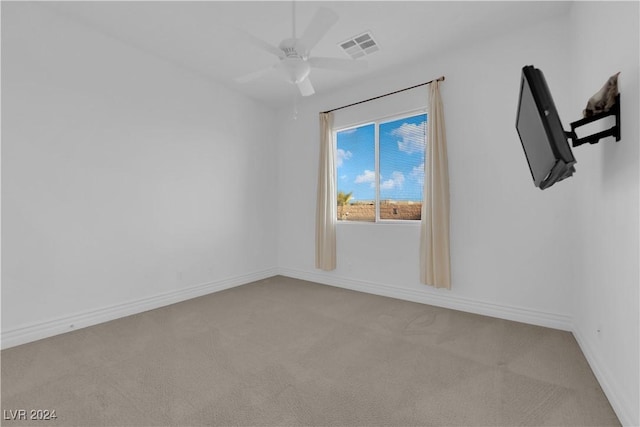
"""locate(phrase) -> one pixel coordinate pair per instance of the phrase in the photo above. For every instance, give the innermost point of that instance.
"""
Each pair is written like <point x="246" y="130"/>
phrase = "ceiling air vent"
<point x="360" y="45"/>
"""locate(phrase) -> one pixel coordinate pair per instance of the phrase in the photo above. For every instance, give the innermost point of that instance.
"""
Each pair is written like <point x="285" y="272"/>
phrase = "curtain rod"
<point x="439" y="79"/>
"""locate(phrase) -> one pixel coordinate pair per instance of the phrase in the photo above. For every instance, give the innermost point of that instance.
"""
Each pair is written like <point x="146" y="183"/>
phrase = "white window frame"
<point x="376" y="123"/>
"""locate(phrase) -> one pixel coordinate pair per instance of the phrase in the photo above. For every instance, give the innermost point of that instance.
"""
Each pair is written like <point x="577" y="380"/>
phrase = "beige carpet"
<point x="287" y="352"/>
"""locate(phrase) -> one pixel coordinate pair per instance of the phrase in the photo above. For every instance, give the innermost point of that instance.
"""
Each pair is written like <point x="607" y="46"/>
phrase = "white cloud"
<point x="412" y="137"/>
<point x="341" y="156"/>
<point x="396" y="181"/>
<point x="417" y="173"/>
<point x="367" y="176"/>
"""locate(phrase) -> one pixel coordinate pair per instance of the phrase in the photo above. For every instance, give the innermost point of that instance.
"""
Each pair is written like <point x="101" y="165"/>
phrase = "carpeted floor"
<point x="287" y="352"/>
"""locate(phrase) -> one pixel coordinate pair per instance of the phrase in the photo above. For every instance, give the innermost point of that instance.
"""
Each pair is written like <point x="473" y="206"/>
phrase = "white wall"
<point x="565" y="257"/>
<point x="127" y="183"/>
<point x="510" y="242"/>
<point x="607" y="212"/>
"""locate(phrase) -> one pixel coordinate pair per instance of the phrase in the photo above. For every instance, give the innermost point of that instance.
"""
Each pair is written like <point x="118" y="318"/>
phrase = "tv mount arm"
<point x="596" y="137"/>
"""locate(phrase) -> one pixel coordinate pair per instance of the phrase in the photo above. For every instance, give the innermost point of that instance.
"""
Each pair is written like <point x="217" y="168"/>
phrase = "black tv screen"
<point x="541" y="133"/>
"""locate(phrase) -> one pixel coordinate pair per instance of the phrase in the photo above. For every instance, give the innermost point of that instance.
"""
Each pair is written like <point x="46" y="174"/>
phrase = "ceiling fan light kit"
<point x="295" y="64"/>
<point x="295" y="70"/>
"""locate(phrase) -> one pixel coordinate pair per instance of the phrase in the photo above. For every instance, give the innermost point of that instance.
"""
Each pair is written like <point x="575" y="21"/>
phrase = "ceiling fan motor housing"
<point x="291" y="49"/>
<point x="294" y="65"/>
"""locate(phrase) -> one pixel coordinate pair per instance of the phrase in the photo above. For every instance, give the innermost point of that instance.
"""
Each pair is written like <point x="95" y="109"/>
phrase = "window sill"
<point x="381" y="222"/>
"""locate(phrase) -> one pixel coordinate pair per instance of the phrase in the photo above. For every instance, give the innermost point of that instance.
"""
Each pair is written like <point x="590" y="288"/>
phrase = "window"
<point x="380" y="169"/>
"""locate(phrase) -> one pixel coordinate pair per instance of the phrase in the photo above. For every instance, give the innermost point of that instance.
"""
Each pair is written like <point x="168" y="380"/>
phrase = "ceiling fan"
<point x="294" y="63"/>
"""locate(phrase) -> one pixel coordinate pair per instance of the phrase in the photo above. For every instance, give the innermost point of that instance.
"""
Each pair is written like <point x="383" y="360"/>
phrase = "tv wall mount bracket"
<point x="596" y="137"/>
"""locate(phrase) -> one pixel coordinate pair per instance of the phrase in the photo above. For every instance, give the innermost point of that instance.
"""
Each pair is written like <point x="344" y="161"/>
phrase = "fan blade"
<point x="338" y="64"/>
<point x="254" y="75"/>
<point x="320" y="24"/>
<point x="306" y="88"/>
<point x="250" y="38"/>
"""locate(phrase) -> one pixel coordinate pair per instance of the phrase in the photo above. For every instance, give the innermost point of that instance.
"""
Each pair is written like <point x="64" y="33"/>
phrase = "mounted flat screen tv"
<point x="543" y="138"/>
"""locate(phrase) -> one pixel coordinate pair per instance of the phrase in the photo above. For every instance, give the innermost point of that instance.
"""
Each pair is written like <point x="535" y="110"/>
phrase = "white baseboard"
<point x="619" y="402"/>
<point x="49" y="328"/>
<point x="437" y="298"/>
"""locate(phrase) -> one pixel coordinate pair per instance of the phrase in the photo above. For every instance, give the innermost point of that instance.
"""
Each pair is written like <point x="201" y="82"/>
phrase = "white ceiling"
<point x="200" y="36"/>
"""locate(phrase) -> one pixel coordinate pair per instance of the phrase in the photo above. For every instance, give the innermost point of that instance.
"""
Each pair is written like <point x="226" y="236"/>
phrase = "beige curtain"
<point x="326" y="205"/>
<point x="435" y="269"/>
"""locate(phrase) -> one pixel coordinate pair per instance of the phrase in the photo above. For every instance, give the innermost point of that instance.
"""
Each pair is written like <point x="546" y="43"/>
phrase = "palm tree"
<point x="343" y="200"/>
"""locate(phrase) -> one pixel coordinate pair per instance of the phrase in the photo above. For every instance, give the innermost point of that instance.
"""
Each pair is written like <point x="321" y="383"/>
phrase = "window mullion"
<point x="377" y="159"/>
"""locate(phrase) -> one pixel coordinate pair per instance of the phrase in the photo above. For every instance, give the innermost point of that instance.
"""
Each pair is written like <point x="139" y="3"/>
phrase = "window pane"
<point x="402" y="145"/>
<point x="355" y="161"/>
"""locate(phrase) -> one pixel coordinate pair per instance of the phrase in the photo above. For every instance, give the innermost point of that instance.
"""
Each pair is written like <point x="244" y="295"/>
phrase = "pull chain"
<point x="295" y="106"/>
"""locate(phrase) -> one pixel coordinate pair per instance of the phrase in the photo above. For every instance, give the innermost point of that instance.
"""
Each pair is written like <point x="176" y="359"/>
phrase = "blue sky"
<point x="401" y="160"/>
